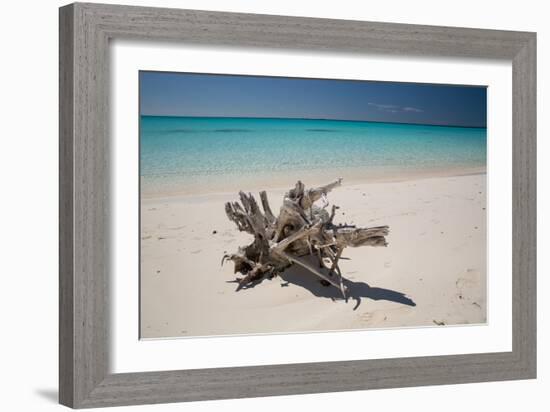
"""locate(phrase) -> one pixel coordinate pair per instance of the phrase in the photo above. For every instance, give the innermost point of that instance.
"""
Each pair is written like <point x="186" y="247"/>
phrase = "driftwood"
<point x="302" y="228"/>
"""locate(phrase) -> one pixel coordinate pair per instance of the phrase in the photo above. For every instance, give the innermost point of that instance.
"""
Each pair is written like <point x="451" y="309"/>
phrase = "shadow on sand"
<point x="356" y="291"/>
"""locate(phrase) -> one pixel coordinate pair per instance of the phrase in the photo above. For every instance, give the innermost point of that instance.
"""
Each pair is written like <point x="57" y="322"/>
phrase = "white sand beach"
<point x="433" y="272"/>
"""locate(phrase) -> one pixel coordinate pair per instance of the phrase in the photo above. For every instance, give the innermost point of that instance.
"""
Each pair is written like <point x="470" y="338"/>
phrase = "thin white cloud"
<point x="392" y="108"/>
<point x="412" y="109"/>
<point x="384" y="106"/>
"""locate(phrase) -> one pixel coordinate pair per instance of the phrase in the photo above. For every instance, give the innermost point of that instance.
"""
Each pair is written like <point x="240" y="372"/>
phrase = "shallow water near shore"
<point x="189" y="155"/>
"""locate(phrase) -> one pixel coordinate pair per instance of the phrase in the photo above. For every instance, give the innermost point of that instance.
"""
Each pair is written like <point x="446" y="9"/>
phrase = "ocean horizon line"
<point x="312" y="118"/>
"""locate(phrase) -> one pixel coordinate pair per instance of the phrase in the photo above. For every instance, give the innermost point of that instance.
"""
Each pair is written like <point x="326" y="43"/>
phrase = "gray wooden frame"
<point x="85" y="31"/>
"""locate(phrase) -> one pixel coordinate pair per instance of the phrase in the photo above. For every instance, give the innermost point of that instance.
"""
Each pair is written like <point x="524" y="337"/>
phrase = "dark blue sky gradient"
<point x="183" y="94"/>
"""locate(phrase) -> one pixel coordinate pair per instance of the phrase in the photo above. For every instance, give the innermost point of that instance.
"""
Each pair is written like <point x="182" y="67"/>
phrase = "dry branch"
<point x="302" y="228"/>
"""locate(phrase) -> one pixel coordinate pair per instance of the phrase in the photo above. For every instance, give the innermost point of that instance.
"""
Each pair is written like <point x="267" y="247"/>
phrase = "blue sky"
<point x="186" y="94"/>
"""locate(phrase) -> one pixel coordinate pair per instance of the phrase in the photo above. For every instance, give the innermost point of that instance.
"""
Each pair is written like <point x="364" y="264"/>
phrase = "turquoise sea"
<point x="199" y="154"/>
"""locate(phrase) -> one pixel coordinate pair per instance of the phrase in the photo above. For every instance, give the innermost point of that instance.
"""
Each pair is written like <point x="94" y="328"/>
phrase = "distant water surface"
<point x="181" y="155"/>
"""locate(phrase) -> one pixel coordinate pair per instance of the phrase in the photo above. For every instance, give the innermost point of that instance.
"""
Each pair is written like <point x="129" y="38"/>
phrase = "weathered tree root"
<point x="301" y="229"/>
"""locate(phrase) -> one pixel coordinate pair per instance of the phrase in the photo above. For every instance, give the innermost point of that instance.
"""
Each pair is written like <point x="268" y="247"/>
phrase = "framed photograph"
<point x="256" y="205"/>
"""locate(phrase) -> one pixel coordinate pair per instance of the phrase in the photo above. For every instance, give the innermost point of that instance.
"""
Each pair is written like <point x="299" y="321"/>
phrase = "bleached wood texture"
<point x="301" y="228"/>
